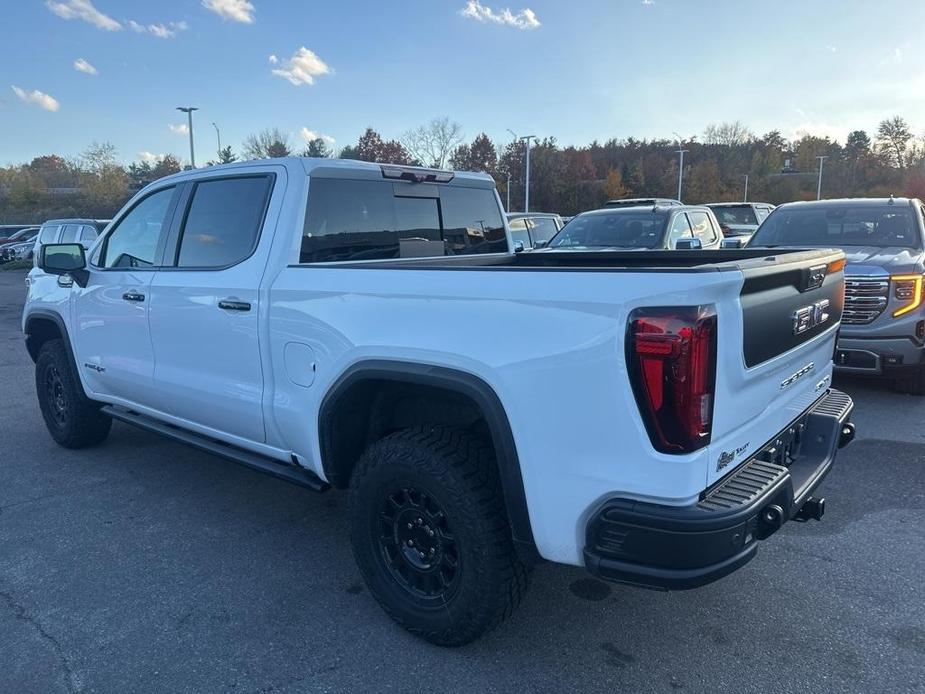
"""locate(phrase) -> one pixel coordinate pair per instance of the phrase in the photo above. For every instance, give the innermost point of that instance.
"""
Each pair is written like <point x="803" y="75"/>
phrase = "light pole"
<point x="819" y="186"/>
<point x="188" y="110"/>
<point x="745" y="197"/>
<point x="218" y="137"/>
<point x="681" y="152"/>
<point x="526" y="139"/>
<point x="516" y="138"/>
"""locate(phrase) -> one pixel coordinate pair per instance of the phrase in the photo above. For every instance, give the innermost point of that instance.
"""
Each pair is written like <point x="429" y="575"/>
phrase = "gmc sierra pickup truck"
<point x="883" y="325"/>
<point x="650" y="415"/>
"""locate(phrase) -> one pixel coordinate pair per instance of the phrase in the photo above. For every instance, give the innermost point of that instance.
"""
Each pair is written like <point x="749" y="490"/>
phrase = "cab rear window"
<point x="378" y="220"/>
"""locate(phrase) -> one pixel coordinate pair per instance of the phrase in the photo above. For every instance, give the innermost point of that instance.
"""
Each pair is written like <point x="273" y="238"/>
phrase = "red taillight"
<point x="671" y="356"/>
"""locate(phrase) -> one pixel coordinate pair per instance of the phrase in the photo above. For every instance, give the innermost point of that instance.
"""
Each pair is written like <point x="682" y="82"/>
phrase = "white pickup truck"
<point x="650" y="416"/>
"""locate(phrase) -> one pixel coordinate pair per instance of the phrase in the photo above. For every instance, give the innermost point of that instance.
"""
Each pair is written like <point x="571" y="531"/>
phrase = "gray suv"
<point x="883" y="324"/>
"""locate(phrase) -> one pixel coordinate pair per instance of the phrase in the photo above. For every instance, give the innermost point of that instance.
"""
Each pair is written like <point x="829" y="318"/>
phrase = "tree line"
<point x="568" y="180"/>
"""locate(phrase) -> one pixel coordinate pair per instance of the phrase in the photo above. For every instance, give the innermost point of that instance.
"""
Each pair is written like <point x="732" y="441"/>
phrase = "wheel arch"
<point x="42" y="326"/>
<point x="367" y="378"/>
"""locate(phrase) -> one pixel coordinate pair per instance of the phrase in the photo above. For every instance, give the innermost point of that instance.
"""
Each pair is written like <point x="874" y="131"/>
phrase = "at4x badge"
<point x="726" y="458"/>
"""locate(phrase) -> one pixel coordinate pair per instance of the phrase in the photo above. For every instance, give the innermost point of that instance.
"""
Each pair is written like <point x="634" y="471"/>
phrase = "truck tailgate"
<point x="774" y="352"/>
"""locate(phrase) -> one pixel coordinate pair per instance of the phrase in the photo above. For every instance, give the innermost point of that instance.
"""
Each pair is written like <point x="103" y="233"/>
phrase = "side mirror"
<point x="540" y="244"/>
<point x="65" y="259"/>
<point x="518" y="246"/>
<point x="733" y="243"/>
<point x="688" y="244"/>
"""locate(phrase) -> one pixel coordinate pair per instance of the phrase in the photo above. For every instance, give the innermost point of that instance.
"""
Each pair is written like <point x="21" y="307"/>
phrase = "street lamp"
<point x="526" y="139"/>
<point x="745" y="197"/>
<point x="508" y="209"/>
<point x="819" y="185"/>
<point x="681" y="152"/>
<point x="188" y="110"/>
<point x="218" y="137"/>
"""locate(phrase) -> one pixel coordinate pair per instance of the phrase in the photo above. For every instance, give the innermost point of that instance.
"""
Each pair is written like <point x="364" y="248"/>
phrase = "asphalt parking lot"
<point x="144" y="565"/>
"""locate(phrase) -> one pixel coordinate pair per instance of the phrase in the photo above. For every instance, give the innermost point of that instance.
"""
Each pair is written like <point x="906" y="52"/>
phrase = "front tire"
<point x="431" y="536"/>
<point x="913" y="384"/>
<point x="73" y="420"/>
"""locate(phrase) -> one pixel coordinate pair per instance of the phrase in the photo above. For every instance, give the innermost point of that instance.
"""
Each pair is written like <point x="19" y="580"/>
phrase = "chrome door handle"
<point x="232" y="305"/>
<point x="133" y="296"/>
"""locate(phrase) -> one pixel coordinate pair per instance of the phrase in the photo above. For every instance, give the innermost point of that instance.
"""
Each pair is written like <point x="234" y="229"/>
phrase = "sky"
<point x="78" y="71"/>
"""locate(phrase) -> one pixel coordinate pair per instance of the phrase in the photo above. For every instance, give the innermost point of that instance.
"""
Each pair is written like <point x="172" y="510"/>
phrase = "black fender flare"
<point x="42" y="315"/>
<point x="464" y="383"/>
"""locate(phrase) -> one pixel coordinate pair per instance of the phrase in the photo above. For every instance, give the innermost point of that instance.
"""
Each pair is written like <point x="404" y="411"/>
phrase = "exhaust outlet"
<point x="847" y="434"/>
<point x="771" y="517"/>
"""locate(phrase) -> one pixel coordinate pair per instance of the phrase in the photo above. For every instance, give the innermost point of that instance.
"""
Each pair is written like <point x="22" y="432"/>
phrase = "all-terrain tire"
<point x="431" y="536"/>
<point x="73" y="420"/>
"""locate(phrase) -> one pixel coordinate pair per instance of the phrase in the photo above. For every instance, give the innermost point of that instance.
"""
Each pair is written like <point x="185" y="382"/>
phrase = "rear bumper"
<point x="880" y="356"/>
<point x="670" y="547"/>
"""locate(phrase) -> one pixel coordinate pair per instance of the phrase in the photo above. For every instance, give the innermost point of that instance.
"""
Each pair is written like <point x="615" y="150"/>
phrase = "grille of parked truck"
<point x="650" y="415"/>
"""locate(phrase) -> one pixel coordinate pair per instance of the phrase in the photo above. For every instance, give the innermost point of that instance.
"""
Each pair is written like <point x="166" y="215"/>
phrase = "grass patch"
<point x="16" y="265"/>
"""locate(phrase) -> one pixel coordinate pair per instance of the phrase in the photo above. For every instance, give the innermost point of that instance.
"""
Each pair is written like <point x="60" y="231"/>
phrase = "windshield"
<point x="873" y="225"/>
<point x="627" y="229"/>
<point x="743" y="214"/>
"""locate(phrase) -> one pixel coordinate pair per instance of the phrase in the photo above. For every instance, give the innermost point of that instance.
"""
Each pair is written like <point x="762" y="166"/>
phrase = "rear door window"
<point x="87" y="234"/>
<point x="376" y="220"/>
<point x="223" y="221"/>
<point x="69" y="235"/>
<point x="702" y="227"/>
<point x="544" y="229"/>
<point x="519" y="232"/>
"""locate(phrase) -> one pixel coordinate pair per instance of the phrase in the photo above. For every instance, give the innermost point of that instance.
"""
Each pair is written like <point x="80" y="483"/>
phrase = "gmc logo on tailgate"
<point x="809" y="317"/>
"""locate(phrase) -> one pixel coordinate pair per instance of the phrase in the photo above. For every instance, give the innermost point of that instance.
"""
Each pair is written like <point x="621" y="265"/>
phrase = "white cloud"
<point x="234" y="10"/>
<point x="82" y="65"/>
<point x="84" y="10"/>
<point x="310" y="135"/>
<point x="273" y="59"/>
<point x="41" y="99"/>
<point x="160" y="30"/>
<point x="648" y="2"/>
<point x="179" y="129"/>
<point x="525" y="19"/>
<point x="150" y="157"/>
<point x="302" y="68"/>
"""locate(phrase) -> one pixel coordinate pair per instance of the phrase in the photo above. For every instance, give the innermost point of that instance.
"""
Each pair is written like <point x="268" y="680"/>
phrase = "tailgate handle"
<point x="133" y="296"/>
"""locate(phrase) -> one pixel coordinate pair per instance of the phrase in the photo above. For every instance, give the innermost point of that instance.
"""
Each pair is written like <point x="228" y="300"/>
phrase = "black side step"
<point x="290" y="473"/>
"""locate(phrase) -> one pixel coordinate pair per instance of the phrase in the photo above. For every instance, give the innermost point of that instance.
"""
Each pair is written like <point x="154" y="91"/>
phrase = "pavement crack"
<point x="19" y="611"/>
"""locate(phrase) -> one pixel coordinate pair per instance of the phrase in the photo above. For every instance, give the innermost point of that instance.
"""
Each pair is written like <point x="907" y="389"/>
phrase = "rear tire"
<point x="73" y="420"/>
<point x="913" y="384"/>
<point x="431" y="536"/>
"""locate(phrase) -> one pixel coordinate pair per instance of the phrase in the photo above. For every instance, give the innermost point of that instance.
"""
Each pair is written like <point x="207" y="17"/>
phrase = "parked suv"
<point x="369" y="327"/>
<point x="82" y="231"/>
<point x="883" y="325"/>
<point x="740" y="218"/>
<point x="654" y="227"/>
<point x="533" y="229"/>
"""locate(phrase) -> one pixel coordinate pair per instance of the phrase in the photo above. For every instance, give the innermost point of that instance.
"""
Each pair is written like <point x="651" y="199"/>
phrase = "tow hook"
<point x="847" y="434"/>
<point x="812" y="509"/>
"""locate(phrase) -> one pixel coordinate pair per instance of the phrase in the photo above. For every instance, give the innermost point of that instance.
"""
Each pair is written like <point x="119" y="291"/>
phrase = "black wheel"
<point x="912" y="384"/>
<point x="431" y="536"/>
<point x="73" y="420"/>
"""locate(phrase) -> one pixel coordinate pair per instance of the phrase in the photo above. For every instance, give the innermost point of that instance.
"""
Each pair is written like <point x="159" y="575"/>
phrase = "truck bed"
<point x="742" y="259"/>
